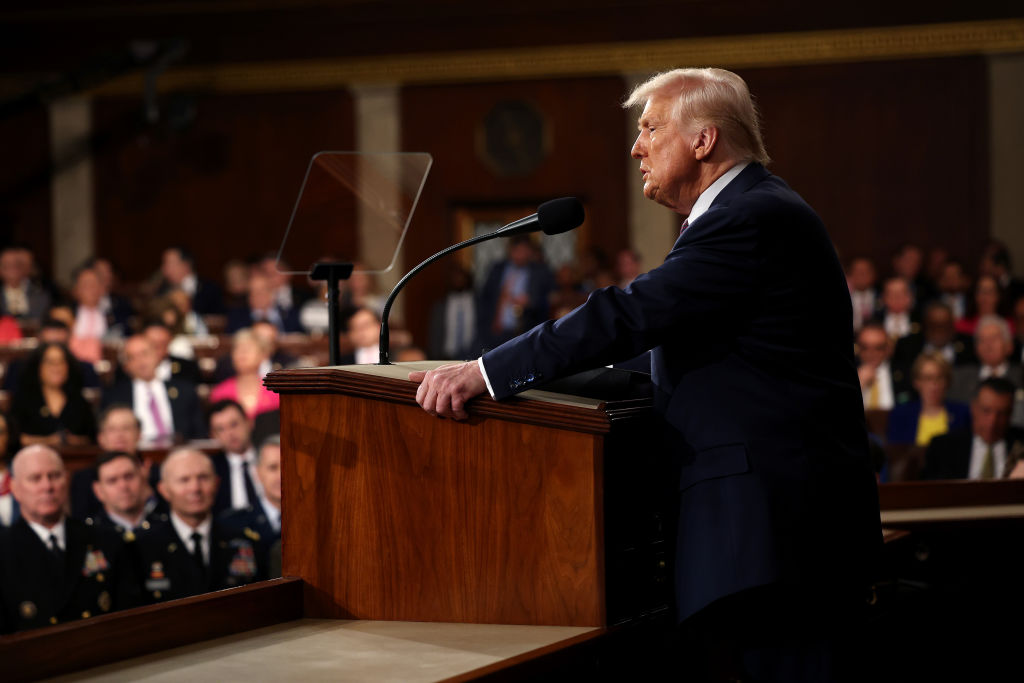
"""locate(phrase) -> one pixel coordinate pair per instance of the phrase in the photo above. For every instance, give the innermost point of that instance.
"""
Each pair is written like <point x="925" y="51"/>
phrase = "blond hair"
<point x="710" y="97"/>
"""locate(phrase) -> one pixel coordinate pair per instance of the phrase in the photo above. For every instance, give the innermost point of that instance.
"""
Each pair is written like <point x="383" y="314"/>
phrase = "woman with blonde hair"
<point x="250" y="356"/>
<point x="917" y="422"/>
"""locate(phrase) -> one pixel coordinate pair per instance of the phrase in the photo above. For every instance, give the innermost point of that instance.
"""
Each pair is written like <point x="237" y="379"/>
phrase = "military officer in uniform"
<point x="189" y="552"/>
<point x="265" y="516"/>
<point x="121" y="488"/>
<point x="53" y="568"/>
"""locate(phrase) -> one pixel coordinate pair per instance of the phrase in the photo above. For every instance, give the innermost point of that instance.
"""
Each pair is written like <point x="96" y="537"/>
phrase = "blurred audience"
<point x="453" y="319"/>
<point x="261" y="305"/>
<point x="987" y="301"/>
<point x="881" y="386"/>
<point x="515" y="295"/>
<point x="937" y="333"/>
<point x="991" y="449"/>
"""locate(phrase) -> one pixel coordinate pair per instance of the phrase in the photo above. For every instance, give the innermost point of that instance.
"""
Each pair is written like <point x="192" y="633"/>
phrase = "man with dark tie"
<point x="991" y="449"/>
<point x="188" y="551"/>
<point x="264" y="514"/>
<point x="749" y="324"/>
<point x="236" y="465"/>
<point x="54" y="568"/>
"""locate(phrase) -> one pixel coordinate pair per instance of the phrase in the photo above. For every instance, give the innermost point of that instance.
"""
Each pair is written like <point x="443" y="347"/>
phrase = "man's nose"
<point x="637" y="151"/>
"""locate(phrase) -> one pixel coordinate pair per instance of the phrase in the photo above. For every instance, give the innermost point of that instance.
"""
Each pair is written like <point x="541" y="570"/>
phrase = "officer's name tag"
<point x="158" y="584"/>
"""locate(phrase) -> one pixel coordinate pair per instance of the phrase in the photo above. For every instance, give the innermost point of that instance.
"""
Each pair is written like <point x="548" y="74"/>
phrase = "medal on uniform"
<point x="95" y="562"/>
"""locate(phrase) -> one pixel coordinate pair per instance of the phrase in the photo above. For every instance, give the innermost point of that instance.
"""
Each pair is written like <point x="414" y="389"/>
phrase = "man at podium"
<point x="748" y="322"/>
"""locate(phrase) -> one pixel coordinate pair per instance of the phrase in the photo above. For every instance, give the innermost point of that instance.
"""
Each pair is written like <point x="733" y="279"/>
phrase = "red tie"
<point x="686" y="224"/>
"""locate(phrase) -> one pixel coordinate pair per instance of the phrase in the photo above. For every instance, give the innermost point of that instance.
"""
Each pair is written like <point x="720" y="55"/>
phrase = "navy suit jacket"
<point x="749" y="322"/>
<point x="186" y="409"/>
<point x="903" y="420"/>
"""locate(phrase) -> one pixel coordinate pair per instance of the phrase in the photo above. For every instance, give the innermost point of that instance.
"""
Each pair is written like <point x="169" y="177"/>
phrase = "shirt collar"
<point x="124" y="522"/>
<point x="248" y="457"/>
<point x="44" y="534"/>
<point x="709" y="195"/>
<point x="185" y="531"/>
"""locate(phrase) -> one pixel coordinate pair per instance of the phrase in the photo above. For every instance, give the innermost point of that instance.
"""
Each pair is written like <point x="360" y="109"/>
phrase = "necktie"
<point x="873" y="395"/>
<point x="686" y="224"/>
<point x="158" y="420"/>
<point x="197" y="552"/>
<point x="988" y="465"/>
<point x="58" y="554"/>
<point x="250" y="489"/>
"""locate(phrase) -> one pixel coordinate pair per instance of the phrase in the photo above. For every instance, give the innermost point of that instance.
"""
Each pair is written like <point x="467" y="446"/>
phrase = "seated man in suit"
<point x="121" y="486"/>
<point x="897" y="315"/>
<point x="54" y="568"/>
<point x="20" y="297"/>
<point x="119" y="432"/>
<point x="264" y="515"/>
<point x="236" y="465"/>
<point x="168" y="410"/>
<point x="189" y="552"/>
<point x="178" y="270"/>
<point x="990" y="450"/>
<point x="263" y="306"/>
<point x="169" y="367"/>
<point x="993" y="343"/>
<point x="881" y="386"/>
<point x="938" y="333"/>
<point x="860" y="276"/>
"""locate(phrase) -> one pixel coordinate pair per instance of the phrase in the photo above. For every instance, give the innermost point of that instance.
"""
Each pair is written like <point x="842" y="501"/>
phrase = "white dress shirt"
<point x="883" y="378"/>
<point x="993" y="371"/>
<point x="273" y="513"/>
<point x="141" y="391"/>
<point x="978" y="448"/>
<point x="44" y="534"/>
<point x="238" y="462"/>
<point x="897" y="325"/>
<point x="185" y="534"/>
<point x="90" y="323"/>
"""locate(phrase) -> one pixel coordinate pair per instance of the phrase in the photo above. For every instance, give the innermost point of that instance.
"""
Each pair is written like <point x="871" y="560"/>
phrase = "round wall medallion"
<point x="513" y="139"/>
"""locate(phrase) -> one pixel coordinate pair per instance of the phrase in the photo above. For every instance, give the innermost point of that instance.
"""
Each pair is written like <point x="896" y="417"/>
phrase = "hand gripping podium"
<point x="543" y="509"/>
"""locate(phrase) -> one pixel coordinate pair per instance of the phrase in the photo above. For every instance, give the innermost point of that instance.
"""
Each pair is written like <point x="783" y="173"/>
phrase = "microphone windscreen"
<point x="560" y="215"/>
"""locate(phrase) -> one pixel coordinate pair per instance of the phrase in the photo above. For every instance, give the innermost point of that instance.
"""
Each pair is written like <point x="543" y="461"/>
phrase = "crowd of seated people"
<point x="940" y="363"/>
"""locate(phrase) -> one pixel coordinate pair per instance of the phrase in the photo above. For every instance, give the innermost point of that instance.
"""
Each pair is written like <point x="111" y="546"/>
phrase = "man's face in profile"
<point x="671" y="172"/>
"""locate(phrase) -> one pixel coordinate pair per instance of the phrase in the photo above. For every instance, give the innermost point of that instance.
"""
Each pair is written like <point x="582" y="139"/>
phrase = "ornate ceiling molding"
<point x="778" y="49"/>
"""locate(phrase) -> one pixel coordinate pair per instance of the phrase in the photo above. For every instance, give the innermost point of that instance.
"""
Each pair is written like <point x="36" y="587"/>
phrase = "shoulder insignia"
<point x="172" y="392"/>
<point x="27" y="609"/>
<point x="251" y="535"/>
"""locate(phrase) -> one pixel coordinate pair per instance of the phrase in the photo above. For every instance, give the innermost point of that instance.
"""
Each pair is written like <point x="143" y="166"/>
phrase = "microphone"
<point x="553" y="218"/>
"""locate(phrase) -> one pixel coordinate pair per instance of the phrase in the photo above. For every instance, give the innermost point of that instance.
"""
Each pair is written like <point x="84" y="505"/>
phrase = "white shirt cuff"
<point x="483" y="371"/>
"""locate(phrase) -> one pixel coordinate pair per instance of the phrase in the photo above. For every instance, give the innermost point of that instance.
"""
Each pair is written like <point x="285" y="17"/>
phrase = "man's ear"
<point x="704" y="142"/>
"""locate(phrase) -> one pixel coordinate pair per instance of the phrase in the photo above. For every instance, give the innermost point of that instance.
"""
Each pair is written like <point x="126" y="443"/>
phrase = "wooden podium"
<point x="537" y="510"/>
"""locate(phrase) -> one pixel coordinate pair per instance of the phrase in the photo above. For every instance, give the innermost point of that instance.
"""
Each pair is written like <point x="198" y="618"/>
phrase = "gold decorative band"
<point x="778" y="49"/>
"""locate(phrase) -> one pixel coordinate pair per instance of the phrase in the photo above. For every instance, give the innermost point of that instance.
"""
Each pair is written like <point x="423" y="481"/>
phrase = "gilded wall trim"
<point x="779" y="49"/>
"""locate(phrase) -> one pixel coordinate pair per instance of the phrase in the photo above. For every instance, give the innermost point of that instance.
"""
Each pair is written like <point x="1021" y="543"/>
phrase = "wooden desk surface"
<point x="339" y="650"/>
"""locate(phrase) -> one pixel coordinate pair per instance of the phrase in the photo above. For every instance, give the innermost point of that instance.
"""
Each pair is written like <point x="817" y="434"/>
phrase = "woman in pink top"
<point x="251" y="357"/>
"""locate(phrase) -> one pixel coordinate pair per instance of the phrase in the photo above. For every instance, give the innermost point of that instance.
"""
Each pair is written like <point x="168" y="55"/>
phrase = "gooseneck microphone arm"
<point x="553" y="217"/>
<point x="384" y="336"/>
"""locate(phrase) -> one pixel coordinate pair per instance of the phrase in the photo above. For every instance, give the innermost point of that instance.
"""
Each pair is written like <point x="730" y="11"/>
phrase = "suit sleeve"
<point x="703" y="283"/>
